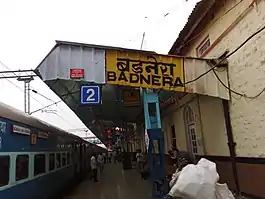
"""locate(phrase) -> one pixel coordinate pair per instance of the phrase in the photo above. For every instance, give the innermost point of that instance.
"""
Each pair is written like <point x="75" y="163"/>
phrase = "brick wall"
<point x="246" y="73"/>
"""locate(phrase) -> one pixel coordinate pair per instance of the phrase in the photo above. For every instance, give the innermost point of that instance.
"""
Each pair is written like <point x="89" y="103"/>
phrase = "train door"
<point x="85" y="157"/>
<point x="74" y="158"/>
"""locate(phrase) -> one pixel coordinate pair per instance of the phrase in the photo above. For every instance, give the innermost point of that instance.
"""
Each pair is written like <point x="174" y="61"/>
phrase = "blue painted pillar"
<point x="156" y="163"/>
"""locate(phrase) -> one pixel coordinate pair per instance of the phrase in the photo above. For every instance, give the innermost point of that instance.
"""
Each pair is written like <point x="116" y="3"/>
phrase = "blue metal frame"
<point x="155" y="134"/>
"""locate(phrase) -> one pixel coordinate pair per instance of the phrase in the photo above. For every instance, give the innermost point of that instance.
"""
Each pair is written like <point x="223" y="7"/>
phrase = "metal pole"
<point x="25" y="97"/>
<point x="26" y="81"/>
<point x="28" y="90"/>
<point x="142" y="41"/>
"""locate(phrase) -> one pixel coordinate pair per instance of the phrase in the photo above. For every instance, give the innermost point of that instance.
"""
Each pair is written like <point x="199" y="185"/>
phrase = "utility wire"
<point x="33" y="90"/>
<point x="54" y="103"/>
<point x="213" y="22"/>
<point x="153" y="23"/>
<point x="236" y="92"/>
<point x="226" y="57"/>
<point x="17" y="75"/>
<point x="16" y="84"/>
<point x="45" y="107"/>
<point x="36" y="92"/>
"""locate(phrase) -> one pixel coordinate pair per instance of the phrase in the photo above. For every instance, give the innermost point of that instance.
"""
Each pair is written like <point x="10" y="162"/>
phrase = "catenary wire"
<point x="16" y="84"/>
<point x="36" y="92"/>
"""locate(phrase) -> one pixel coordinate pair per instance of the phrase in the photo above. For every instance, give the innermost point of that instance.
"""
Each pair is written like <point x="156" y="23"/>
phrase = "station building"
<point x="229" y="132"/>
<point x="217" y="114"/>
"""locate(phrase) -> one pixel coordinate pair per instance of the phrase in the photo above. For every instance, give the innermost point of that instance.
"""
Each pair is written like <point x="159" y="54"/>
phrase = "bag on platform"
<point x="197" y="181"/>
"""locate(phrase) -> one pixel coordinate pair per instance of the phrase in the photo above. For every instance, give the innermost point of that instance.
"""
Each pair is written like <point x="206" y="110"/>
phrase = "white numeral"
<point x="91" y="93"/>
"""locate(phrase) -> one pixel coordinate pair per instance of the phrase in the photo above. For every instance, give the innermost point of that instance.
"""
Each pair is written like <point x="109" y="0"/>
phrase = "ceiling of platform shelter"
<point x="97" y="65"/>
<point x="112" y="110"/>
<point x="54" y="71"/>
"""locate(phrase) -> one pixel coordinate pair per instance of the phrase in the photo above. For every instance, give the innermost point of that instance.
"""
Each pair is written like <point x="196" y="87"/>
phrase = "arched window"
<point x="191" y="130"/>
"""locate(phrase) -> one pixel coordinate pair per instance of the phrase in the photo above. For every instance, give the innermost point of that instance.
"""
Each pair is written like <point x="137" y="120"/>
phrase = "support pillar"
<point x="26" y="81"/>
<point x="156" y="154"/>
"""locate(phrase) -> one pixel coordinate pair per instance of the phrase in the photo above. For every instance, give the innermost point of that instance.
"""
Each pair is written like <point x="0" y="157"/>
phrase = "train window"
<point x="22" y="167"/>
<point x="58" y="160"/>
<point x="51" y="162"/>
<point x="4" y="170"/>
<point x="39" y="164"/>
<point x="68" y="158"/>
<point x="63" y="159"/>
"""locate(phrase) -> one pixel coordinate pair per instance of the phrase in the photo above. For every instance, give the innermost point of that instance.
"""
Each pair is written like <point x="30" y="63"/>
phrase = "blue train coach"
<point x="38" y="160"/>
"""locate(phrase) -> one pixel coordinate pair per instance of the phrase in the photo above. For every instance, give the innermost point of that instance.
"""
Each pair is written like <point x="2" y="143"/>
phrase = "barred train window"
<point x="39" y="164"/>
<point x="58" y="160"/>
<point x="63" y="159"/>
<point x="51" y="161"/>
<point x="22" y="167"/>
<point x="4" y="170"/>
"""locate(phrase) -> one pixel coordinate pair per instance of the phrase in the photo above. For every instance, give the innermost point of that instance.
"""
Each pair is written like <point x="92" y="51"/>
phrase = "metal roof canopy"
<point x="54" y="71"/>
<point x="111" y="111"/>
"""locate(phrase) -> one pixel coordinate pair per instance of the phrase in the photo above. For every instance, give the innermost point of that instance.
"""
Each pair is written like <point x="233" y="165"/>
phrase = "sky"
<point x="29" y="29"/>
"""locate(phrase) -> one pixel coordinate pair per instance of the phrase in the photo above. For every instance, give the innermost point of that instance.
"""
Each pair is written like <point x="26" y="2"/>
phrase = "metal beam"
<point x="17" y="76"/>
<point x="16" y="71"/>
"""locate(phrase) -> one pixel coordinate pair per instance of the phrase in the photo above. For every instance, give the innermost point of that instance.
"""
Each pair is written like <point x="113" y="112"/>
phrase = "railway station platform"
<point x="114" y="183"/>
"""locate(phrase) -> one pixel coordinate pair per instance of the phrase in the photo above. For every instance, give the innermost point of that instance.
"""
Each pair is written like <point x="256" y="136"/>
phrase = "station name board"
<point x="144" y="70"/>
<point x="21" y="130"/>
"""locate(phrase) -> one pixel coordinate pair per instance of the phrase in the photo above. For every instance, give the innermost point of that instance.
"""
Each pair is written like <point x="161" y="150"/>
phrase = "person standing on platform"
<point x="93" y="164"/>
<point x="100" y="162"/>
<point x="109" y="156"/>
<point x="104" y="158"/>
<point x="114" y="156"/>
<point x="139" y="161"/>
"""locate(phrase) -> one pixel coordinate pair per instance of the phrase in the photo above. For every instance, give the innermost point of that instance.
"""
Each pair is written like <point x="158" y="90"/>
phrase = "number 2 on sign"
<point x="91" y="94"/>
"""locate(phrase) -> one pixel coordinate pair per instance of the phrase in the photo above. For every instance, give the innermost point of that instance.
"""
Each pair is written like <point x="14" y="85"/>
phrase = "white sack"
<point x="196" y="181"/>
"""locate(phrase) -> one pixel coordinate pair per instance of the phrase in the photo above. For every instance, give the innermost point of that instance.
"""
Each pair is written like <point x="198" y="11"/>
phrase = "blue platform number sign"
<point x="90" y="95"/>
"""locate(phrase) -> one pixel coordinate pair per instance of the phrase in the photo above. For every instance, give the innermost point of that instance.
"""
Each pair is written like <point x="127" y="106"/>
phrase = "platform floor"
<point x="114" y="183"/>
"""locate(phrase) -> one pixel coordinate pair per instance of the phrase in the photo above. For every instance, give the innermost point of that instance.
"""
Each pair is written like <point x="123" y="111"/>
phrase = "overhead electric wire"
<point x="45" y="107"/>
<point x="226" y="57"/>
<point x="153" y="24"/>
<point x="52" y="101"/>
<point x="33" y="90"/>
<point x="36" y="92"/>
<point x="16" y="84"/>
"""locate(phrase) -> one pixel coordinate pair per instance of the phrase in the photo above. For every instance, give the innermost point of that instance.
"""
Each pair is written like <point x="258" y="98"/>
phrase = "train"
<point x="37" y="159"/>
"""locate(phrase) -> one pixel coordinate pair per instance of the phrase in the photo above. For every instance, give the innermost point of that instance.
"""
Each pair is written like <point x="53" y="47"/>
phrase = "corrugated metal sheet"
<point x="208" y="84"/>
<point x="62" y="58"/>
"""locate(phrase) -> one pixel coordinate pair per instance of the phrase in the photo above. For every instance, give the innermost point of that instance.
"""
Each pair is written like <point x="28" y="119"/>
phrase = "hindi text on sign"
<point x="143" y="70"/>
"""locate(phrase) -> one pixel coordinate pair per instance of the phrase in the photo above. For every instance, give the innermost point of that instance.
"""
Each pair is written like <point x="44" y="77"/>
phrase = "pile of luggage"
<point x="198" y="181"/>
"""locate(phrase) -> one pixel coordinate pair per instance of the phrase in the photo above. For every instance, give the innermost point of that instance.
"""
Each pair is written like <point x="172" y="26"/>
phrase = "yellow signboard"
<point x="140" y="69"/>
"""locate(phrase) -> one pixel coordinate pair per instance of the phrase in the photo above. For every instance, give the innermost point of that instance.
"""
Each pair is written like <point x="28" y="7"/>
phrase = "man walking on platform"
<point x="100" y="162"/>
<point x="109" y="157"/>
<point x="93" y="164"/>
<point x="104" y="158"/>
